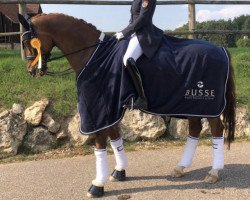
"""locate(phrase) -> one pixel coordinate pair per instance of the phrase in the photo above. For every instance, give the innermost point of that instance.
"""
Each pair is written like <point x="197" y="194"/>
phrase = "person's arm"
<point x="146" y="15"/>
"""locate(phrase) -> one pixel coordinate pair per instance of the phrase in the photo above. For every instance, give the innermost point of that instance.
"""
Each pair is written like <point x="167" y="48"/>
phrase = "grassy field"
<point x="18" y="87"/>
<point x="241" y="63"/>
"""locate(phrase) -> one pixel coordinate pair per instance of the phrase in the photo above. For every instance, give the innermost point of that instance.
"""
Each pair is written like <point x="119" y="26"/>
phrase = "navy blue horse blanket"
<point x="185" y="78"/>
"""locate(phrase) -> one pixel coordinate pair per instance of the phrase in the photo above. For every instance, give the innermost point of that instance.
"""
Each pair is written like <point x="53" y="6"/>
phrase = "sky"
<point x="167" y="17"/>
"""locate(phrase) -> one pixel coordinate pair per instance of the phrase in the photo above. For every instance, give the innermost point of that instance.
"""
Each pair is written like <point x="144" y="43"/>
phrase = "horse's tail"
<point x="229" y="114"/>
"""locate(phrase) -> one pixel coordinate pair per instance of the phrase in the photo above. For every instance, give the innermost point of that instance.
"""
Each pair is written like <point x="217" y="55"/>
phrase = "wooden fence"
<point x="112" y="2"/>
<point x="191" y="10"/>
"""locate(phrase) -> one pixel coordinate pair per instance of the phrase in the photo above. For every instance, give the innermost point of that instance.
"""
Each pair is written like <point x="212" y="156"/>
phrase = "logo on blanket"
<point x="200" y="84"/>
<point x="200" y="92"/>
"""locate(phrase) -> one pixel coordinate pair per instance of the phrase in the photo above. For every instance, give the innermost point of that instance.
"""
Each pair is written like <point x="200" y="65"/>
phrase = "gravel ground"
<point x="148" y="177"/>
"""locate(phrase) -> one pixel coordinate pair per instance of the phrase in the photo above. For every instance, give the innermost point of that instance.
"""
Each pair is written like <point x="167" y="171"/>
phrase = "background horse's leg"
<point x="116" y="142"/>
<point x="190" y="147"/>
<point x="102" y="172"/>
<point x="218" y="150"/>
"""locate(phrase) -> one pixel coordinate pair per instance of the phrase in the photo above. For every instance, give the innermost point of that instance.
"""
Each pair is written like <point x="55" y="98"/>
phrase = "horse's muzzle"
<point x="35" y="72"/>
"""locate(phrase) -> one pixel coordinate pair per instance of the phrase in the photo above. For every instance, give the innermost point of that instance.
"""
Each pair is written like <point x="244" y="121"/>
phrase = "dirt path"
<point x="148" y="177"/>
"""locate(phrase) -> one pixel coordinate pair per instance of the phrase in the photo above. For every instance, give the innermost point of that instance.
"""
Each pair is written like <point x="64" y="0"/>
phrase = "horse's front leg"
<point x="190" y="147"/>
<point x="218" y="149"/>
<point x="102" y="171"/>
<point x="116" y="142"/>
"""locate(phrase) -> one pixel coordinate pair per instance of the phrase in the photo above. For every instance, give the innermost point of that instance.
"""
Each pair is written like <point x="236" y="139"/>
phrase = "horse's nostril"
<point x="41" y="73"/>
<point x="32" y="73"/>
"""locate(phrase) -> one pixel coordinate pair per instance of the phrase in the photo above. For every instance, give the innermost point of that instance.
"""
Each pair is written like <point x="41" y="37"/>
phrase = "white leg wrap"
<point x="102" y="172"/>
<point x="218" y="153"/>
<point x="189" y="151"/>
<point x="120" y="155"/>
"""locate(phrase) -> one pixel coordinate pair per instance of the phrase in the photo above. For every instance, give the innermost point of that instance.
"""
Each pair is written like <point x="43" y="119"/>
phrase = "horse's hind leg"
<point x="218" y="150"/>
<point x="116" y="142"/>
<point x="102" y="172"/>
<point x="190" y="147"/>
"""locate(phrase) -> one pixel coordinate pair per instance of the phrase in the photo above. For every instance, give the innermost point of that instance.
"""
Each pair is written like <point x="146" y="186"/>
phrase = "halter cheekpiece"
<point x="39" y="59"/>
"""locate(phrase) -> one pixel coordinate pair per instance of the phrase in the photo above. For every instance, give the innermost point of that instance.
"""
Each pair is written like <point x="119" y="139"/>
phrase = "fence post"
<point x="191" y="18"/>
<point x="22" y="11"/>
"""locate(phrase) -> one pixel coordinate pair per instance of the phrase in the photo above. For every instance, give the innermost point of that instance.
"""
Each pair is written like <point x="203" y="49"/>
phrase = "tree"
<point x="228" y="40"/>
<point x="239" y="21"/>
<point x="246" y="25"/>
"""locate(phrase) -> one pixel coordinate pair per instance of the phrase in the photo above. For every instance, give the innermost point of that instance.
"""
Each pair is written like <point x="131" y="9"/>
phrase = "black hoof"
<point x="118" y="175"/>
<point x="95" y="191"/>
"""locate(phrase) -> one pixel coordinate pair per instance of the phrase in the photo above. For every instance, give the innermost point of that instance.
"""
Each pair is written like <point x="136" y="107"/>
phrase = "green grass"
<point x="17" y="86"/>
<point x="241" y="63"/>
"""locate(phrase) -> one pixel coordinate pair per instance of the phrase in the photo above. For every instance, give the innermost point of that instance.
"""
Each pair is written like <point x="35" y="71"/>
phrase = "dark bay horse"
<point x="43" y="32"/>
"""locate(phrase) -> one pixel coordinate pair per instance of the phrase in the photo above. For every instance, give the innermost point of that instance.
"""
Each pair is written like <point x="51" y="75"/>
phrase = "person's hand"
<point x="119" y="35"/>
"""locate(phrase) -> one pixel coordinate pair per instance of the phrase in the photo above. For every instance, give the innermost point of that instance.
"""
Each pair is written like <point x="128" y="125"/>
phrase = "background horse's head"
<point x="37" y="46"/>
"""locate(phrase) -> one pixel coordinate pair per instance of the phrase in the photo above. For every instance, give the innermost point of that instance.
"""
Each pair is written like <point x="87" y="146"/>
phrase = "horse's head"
<point x="37" y="47"/>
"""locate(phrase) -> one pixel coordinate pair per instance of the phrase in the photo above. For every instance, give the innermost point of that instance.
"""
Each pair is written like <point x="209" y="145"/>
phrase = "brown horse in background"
<point x="69" y="35"/>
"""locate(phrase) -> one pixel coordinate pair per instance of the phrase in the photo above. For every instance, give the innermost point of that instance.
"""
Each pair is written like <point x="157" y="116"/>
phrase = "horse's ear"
<point x="23" y="21"/>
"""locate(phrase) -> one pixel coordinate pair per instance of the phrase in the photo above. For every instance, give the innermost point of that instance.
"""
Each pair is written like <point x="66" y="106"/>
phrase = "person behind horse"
<point x="145" y="39"/>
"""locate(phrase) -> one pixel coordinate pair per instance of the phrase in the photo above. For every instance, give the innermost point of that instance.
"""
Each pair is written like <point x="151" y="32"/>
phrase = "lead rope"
<point x="69" y="70"/>
<point x="62" y="73"/>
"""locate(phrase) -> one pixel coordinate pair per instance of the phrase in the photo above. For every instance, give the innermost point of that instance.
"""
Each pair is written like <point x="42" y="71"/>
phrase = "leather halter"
<point x="39" y="59"/>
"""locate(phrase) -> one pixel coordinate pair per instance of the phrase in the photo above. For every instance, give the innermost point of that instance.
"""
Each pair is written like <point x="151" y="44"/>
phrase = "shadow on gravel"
<point x="233" y="176"/>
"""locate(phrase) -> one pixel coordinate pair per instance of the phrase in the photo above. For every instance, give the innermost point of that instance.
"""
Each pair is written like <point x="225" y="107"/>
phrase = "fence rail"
<point x="104" y="2"/>
<point x="173" y="32"/>
<point x="191" y="10"/>
<point x="9" y="34"/>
